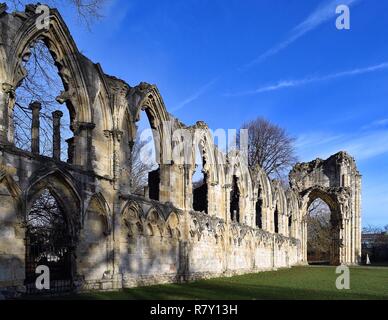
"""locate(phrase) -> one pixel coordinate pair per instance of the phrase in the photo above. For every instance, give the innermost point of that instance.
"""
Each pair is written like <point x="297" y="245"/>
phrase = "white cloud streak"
<point x="363" y="146"/>
<point x="376" y="124"/>
<point x="319" y="16"/>
<point x="195" y="95"/>
<point x="301" y="82"/>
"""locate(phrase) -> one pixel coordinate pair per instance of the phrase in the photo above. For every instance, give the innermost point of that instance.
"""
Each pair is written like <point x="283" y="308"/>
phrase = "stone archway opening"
<point x="276" y="220"/>
<point x="200" y="183"/>
<point x="41" y="124"/>
<point x="235" y="200"/>
<point x="319" y="233"/>
<point x="49" y="243"/>
<point x="259" y="209"/>
<point x="145" y="162"/>
<point x="322" y="229"/>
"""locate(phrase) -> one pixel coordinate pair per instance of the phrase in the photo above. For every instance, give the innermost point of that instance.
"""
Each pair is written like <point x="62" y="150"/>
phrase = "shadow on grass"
<point x="302" y="283"/>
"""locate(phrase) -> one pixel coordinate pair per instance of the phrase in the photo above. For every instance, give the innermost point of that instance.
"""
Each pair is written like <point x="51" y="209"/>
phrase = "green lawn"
<point x="295" y="283"/>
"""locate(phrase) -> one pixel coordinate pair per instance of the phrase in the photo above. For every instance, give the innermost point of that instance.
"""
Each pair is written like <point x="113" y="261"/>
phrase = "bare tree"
<point x="140" y="168"/>
<point x="45" y="221"/>
<point x="370" y="229"/>
<point x="270" y="147"/>
<point x="86" y="10"/>
<point x="375" y="243"/>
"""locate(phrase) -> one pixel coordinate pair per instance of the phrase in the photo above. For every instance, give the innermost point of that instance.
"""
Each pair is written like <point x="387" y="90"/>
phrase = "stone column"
<point x="188" y="186"/>
<point x="57" y="115"/>
<point x="115" y="136"/>
<point x="7" y="95"/>
<point x="82" y="144"/>
<point x="226" y="191"/>
<point x="35" y="107"/>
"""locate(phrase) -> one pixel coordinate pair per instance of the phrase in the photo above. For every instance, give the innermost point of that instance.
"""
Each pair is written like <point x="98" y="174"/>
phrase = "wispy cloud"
<point x="376" y="124"/>
<point x="319" y="16"/>
<point x="297" y="83"/>
<point x="195" y="95"/>
<point x="363" y="146"/>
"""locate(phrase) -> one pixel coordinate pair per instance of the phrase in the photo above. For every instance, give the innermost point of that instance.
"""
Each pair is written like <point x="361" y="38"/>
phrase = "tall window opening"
<point x="48" y="243"/>
<point x="40" y="123"/>
<point x="235" y="200"/>
<point x="200" y="184"/>
<point x="259" y="210"/>
<point x="145" y="168"/>
<point x="319" y="234"/>
<point x="276" y="220"/>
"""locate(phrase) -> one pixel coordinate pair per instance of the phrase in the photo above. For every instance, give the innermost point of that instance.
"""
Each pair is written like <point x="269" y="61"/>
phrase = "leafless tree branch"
<point x="270" y="147"/>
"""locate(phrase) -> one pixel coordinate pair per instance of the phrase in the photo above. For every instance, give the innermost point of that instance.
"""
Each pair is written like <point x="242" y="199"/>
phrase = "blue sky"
<point x="226" y="62"/>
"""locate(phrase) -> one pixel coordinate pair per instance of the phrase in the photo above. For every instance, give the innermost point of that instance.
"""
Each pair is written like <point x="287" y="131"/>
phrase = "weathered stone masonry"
<point x="123" y="240"/>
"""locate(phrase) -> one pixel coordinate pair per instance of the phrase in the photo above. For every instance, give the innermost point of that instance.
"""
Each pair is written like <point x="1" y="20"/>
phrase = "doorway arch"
<point x="337" y="182"/>
<point x="53" y="222"/>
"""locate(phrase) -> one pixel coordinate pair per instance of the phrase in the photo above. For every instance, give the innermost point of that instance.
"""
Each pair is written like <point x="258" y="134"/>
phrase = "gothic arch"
<point x="146" y="97"/>
<point x="237" y="168"/>
<point x="13" y="188"/>
<point x="203" y="138"/>
<point x="326" y="195"/>
<point x="153" y="217"/>
<point x="262" y="183"/>
<point x="337" y="182"/>
<point x="104" y="211"/>
<point x="61" y="187"/>
<point x="279" y="198"/>
<point x="262" y="197"/>
<point x="66" y="56"/>
<point x="293" y="213"/>
<point x="132" y="218"/>
<point x="280" y="208"/>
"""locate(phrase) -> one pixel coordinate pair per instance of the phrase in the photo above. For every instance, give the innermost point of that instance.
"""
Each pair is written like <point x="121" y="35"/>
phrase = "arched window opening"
<point x="259" y="210"/>
<point x="145" y="169"/>
<point x="276" y="220"/>
<point x="235" y="201"/>
<point x="48" y="243"/>
<point x="200" y="184"/>
<point x="319" y="234"/>
<point x="40" y="123"/>
<point x="290" y="225"/>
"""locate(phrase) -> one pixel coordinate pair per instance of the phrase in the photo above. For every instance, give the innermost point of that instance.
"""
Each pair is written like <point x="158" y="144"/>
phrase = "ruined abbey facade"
<point x="117" y="239"/>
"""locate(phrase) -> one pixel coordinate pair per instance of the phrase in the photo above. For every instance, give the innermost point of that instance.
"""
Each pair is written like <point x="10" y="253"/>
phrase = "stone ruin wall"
<point x="121" y="239"/>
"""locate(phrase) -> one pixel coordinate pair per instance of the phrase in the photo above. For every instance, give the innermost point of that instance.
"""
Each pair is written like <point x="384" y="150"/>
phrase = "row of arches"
<point x="102" y="113"/>
<point x="104" y="116"/>
<point x="71" y="233"/>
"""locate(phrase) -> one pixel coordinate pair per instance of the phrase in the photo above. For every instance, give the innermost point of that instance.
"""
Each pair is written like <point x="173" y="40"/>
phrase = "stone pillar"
<point x="358" y="219"/>
<point x="304" y="242"/>
<point x="115" y="136"/>
<point x="57" y="115"/>
<point x="226" y="191"/>
<point x="35" y="107"/>
<point x="7" y="95"/>
<point x="188" y="187"/>
<point x="82" y="145"/>
<point x="165" y="183"/>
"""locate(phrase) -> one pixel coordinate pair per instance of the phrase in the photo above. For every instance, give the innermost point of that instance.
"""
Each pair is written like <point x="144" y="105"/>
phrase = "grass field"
<point x="295" y="283"/>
